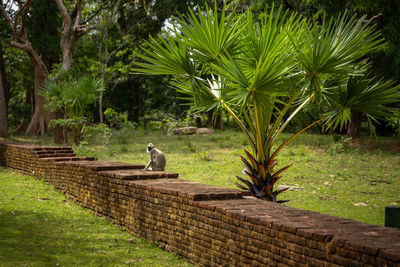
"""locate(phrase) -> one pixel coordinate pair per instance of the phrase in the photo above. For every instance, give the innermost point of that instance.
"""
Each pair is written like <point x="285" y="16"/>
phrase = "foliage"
<point x="256" y="67"/>
<point x="363" y="95"/>
<point x="341" y="144"/>
<point x="394" y="121"/>
<point x="17" y="64"/>
<point x="168" y="122"/>
<point x="43" y="27"/>
<point x="115" y="119"/>
<point x="75" y="124"/>
<point x="98" y="133"/>
<point x="385" y="15"/>
<point x="125" y="25"/>
<point x="72" y="97"/>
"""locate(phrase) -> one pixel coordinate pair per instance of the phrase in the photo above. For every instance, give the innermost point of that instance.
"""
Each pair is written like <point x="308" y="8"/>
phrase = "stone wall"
<point x="206" y="224"/>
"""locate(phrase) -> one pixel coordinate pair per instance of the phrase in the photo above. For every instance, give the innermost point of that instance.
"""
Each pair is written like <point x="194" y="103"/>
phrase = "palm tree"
<point x="72" y="96"/>
<point x="251" y="67"/>
<point x="361" y="96"/>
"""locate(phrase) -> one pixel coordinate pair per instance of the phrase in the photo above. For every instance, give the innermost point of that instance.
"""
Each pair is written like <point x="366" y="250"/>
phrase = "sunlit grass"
<point x="330" y="177"/>
<point x="355" y="181"/>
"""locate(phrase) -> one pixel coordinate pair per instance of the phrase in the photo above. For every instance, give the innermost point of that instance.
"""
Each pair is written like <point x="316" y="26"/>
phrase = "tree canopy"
<point x="118" y="30"/>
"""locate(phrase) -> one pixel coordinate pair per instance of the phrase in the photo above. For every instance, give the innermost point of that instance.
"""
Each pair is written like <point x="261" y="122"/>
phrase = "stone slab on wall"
<point x="208" y="225"/>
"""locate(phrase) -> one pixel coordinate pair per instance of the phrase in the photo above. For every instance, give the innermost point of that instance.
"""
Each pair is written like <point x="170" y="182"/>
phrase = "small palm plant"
<point x="361" y="96"/>
<point x="257" y="69"/>
<point x="72" y="96"/>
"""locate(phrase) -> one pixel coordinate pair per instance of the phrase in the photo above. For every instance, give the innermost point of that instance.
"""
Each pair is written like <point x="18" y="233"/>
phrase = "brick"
<point x="293" y="247"/>
<point x="285" y="253"/>
<point x="210" y="225"/>
<point x="390" y="254"/>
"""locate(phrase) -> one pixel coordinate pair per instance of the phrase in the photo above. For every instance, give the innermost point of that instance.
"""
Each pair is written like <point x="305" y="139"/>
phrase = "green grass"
<point x="355" y="181"/>
<point x="40" y="227"/>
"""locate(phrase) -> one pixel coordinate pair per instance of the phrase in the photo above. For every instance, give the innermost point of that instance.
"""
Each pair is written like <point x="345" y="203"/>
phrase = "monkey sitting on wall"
<point x="157" y="159"/>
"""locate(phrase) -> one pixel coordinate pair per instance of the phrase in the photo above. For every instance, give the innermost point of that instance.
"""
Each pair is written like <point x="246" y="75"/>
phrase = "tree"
<point x="362" y="96"/>
<point x="3" y="97"/>
<point x="74" y="27"/>
<point x="256" y="70"/>
<point x="72" y="97"/>
<point x="124" y="27"/>
<point x="386" y="62"/>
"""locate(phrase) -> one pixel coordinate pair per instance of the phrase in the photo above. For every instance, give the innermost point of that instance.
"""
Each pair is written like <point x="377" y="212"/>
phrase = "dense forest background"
<point x="109" y="49"/>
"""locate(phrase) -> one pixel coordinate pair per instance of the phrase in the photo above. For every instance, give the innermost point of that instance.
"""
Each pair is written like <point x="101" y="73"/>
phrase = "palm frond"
<point x="165" y="57"/>
<point x="369" y="96"/>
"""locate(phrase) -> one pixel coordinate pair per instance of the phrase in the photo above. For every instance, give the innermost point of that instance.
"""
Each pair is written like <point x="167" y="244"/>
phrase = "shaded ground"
<point x="40" y="227"/>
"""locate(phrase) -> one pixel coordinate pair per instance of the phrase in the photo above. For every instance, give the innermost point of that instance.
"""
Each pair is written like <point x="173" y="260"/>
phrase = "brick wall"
<point x="206" y="224"/>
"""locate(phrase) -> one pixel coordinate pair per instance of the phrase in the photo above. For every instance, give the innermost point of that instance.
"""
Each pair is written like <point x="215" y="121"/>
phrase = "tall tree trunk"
<point x="103" y="66"/>
<point x="3" y="98"/>
<point x="354" y="129"/>
<point x="41" y="118"/>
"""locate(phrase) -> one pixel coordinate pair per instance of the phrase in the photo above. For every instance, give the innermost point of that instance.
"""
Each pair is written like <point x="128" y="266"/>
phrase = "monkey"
<point x="157" y="159"/>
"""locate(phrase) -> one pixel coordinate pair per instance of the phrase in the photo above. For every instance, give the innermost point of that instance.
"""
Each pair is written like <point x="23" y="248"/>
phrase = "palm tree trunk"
<point x="354" y="129"/>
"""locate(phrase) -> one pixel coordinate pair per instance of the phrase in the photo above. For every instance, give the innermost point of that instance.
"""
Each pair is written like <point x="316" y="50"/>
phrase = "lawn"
<point x="347" y="180"/>
<point x="40" y="227"/>
<point x="329" y="176"/>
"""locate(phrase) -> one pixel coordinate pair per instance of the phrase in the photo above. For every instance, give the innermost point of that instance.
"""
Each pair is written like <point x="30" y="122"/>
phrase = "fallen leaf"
<point x="325" y="198"/>
<point x="67" y="204"/>
<point x="42" y="198"/>
<point x="327" y="184"/>
<point x="292" y="188"/>
<point x="361" y="204"/>
<point x="12" y="212"/>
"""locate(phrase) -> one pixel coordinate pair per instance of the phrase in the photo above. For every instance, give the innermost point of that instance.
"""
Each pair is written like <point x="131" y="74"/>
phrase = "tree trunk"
<point x="3" y="98"/>
<point x="210" y="118"/>
<point x="103" y="67"/>
<point x="198" y="122"/>
<point x="137" y="102"/>
<point x="41" y="118"/>
<point x="59" y="133"/>
<point x="219" y="123"/>
<point x="354" y="129"/>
